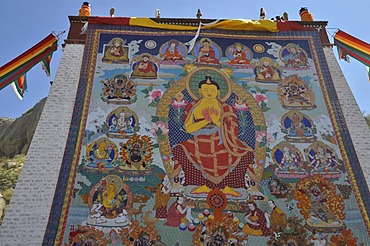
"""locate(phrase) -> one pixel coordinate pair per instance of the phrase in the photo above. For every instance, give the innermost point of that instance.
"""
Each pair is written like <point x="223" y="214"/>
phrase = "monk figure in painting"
<point x="277" y="216"/>
<point x="239" y="55"/>
<point x="214" y="157"/>
<point x="162" y="197"/>
<point x="144" y="69"/>
<point x="172" y="53"/>
<point x="177" y="213"/>
<point x="207" y="53"/>
<point x="117" y="48"/>
<point x="256" y="221"/>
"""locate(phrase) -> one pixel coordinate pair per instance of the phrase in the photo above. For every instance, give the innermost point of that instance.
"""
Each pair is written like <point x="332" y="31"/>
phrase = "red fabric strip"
<point x="291" y="26"/>
<point x="124" y="21"/>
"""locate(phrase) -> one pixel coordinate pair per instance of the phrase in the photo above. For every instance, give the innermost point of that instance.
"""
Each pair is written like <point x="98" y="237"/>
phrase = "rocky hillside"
<point x="16" y="135"/>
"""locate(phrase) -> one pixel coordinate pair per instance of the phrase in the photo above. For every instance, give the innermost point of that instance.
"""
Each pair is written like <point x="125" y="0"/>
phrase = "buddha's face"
<point x="206" y="44"/>
<point x="208" y="91"/>
<point x="111" y="188"/>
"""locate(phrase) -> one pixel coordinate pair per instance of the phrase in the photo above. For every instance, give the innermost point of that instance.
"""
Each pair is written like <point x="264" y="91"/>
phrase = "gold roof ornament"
<point x="85" y="9"/>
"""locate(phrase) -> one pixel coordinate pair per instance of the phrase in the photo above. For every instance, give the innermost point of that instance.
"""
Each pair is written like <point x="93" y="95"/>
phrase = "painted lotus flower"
<point x="260" y="98"/>
<point x="159" y="128"/>
<point x="155" y="95"/>
<point x="263" y="137"/>
<point x="240" y="106"/>
<point x="177" y="104"/>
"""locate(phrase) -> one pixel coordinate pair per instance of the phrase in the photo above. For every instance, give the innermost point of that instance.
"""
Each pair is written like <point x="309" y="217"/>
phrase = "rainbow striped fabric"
<point x="350" y="46"/>
<point x="15" y="70"/>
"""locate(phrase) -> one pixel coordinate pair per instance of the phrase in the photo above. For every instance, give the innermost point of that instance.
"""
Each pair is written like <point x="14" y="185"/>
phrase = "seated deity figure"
<point x="294" y="56"/>
<point x="115" y="51"/>
<point x="101" y="153"/>
<point x="239" y="55"/>
<point x="144" y="68"/>
<point x="109" y="201"/>
<point x="214" y="156"/>
<point x="268" y="71"/>
<point x="323" y="159"/>
<point x="290" y="160"/>
<point x="298" y="127"/>
<point x="172" y="52"/>
<point x="117" y="48"/>
<point x="207" y="53"/>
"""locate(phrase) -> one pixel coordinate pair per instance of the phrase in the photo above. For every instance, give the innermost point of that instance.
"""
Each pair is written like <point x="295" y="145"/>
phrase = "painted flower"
<point x="155" y="95"/>
<point x="159" y="128"/>
<point x="181" y="104"/>
<point x="241" y="106"/>
<point x="262" y="134"/>
<point x="260" y="98"/>
<point x="179" y="101"/>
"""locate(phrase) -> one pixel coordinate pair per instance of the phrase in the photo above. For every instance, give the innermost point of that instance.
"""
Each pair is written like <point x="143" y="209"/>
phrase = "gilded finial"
<point x="85" y="9"/>
<point x="305" y="14"/>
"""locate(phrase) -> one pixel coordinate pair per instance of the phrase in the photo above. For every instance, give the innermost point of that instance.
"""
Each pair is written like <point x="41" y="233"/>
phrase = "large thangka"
<point x="234" y="142"/>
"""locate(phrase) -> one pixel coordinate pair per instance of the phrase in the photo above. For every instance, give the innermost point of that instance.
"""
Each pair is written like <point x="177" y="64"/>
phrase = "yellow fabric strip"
<point x="238" y="24"/>
<point x="27" y="58"/>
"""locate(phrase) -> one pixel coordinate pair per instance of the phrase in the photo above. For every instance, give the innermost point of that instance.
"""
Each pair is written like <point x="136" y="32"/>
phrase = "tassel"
<point x="191" y="43"/>
<point x="84" y="28"/>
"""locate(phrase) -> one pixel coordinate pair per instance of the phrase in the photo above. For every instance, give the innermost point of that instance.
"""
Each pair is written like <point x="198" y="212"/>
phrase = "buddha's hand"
<point x="214" y="114"/>
<point x="207" y="115"/>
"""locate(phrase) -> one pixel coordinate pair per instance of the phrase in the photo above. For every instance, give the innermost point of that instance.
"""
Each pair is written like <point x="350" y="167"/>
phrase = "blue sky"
<point x="24" y="23"/>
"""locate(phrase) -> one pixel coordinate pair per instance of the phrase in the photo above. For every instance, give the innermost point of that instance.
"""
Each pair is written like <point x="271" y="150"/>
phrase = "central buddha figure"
<point x="214" y="156"/>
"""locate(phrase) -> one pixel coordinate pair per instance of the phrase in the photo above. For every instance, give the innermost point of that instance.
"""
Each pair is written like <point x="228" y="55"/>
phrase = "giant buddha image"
<point x="207" y="145"/>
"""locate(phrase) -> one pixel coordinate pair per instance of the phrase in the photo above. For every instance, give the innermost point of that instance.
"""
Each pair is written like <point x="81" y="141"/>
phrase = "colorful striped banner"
<point x="15" y="70"/>
<point x="350" y="46"/>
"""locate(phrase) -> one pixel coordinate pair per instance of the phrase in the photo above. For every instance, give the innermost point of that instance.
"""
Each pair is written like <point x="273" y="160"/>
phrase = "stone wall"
<point x="356" y="123"/>
<point x="28" y="212"/>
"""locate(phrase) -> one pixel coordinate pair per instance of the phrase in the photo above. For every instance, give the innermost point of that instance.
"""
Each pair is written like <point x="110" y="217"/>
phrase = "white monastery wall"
<point x="357" y="127"/>
<point x="27" y="215"/>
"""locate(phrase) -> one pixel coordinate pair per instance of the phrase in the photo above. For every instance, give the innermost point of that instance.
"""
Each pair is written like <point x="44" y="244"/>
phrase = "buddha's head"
<point x="111" y="188"/>
<point x="145" y="58"/>
<point x="208" y="88"/>
<point x="206" y="43"/>
<point x="238" y="47"/>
